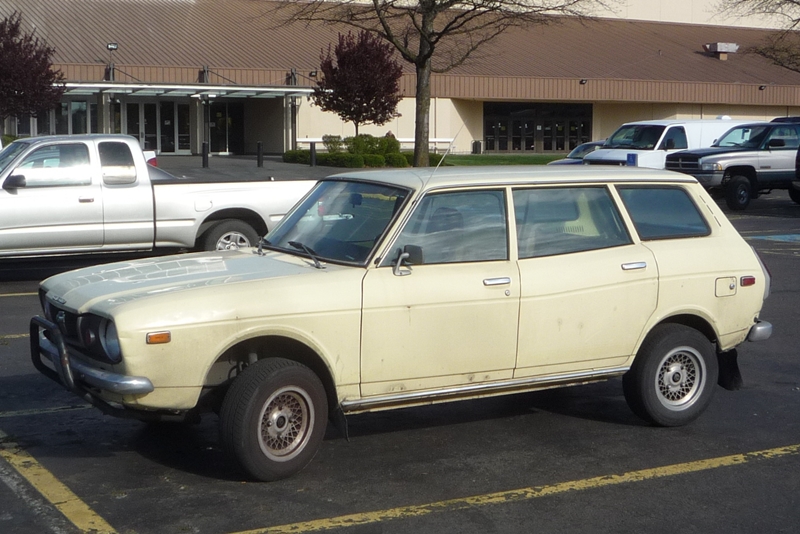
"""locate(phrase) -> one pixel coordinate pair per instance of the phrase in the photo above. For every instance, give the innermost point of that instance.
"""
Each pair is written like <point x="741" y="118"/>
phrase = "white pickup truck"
<point x="96" y="193"/>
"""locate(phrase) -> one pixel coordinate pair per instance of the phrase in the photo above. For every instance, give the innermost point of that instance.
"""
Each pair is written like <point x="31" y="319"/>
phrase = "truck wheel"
<point x="794" y="194"/>
<point x="273" y="418"/>
<point x="738" y="193"/>
<point x="673" y="376"/>
<point x="230" y="234"/>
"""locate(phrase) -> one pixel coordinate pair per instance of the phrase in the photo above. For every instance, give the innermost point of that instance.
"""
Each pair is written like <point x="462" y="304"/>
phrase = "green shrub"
<point x="396" y="160"/>
<point x="297" y="156"/>
<point x="374" y="160"/>
<point x="333" y="143"/>
<point x="362" y="144"/>
<point x="341" y="159"/>
<point x="8" y="139"/>
<point x="388" y="145"/>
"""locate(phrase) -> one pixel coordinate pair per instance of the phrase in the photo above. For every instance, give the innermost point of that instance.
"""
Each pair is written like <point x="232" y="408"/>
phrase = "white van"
<point x="647" y="143"/>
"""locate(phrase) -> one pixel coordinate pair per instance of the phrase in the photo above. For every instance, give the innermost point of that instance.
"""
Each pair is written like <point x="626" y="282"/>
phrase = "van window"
<point x="638" y="136"/>
<point x="663" y="212"/>
<point x="675" y="139"/>
<point x="561" y="220"/>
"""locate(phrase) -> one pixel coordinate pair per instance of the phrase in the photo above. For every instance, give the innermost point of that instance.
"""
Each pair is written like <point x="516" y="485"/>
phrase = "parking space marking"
<point x="13" y="336"/>
<point x="524" y="494"/>
<point x="53" y="490"/>
<point x="18" y="294"/>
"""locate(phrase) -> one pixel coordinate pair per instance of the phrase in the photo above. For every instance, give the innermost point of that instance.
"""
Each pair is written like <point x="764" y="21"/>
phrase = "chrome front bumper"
<point x="72" y="373"/>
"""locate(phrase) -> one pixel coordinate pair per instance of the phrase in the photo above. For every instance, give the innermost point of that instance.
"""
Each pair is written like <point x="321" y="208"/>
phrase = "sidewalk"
<point x="223" y="168"/>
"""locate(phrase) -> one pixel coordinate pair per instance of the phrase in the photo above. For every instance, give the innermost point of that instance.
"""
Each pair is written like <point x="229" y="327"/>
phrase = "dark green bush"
<point x="362" y="144"/>
<point x="297" y="156"/>
<point x="8" y="139"/>
<point x="333" y="143"/>
<point x="374" y="160"/>
<point x="396" y="160"/>
<point x="341" y="159"/>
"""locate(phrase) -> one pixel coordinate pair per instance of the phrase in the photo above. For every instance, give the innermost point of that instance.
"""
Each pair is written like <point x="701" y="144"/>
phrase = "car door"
<point x="451" y="318"/>
<point x="57" y="207"/>
<point x="587" y="288"/>
<point x="776" y="160"/>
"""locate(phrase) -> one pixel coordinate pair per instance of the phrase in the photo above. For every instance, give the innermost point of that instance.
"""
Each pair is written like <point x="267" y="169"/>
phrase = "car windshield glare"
<point x="641" y="136"/>
<point x="339" y="221"/>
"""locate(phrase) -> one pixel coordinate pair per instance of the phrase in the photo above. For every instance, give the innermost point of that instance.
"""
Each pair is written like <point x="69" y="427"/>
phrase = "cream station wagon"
<point x="388" y="289"/>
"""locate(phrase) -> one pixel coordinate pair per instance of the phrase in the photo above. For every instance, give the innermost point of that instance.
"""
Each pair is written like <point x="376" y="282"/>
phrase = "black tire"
<point x="794" y="194"/>
<point x="273" y="418"/>
<point x="229" y="234"/>
<point x="673" y="377"/>
<point x="738" y="193"/>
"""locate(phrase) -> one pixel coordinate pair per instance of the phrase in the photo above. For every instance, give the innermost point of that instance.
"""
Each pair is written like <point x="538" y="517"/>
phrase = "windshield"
<point x="581" y="150"/>
<point x="339" y="221"/>
<point x="744" y="136"/>
<point x="9" y="153"/>
<point x="641" y="136"/>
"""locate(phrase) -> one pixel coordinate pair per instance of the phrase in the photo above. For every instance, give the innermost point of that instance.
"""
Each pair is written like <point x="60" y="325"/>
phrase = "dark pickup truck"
<point x="746" y="161"/>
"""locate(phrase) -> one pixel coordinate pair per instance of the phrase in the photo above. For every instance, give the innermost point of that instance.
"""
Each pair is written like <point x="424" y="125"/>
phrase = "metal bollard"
<point x="313" y="153"/>
<point x="205" y="154"/>
<point x="260" y="152"/>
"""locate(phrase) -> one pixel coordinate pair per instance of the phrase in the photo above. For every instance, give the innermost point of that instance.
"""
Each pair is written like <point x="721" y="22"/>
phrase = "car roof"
<point x="430" y="178"/>
<point x="74" y="137"/>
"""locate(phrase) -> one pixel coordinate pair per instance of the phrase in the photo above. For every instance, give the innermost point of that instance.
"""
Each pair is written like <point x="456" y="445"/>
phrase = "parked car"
<point x="746" y="161"/>
<point x="647" y="143"/>
<point x="97" y="193"/>
<point x="576" y="155"/>
<point x="389" y="289"/>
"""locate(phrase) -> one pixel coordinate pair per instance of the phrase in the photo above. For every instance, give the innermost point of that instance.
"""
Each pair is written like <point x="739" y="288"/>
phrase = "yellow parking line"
<point x="45" y="411"/>
<point x="523" y="494"/>
<point x="60" y="496"/>
<point x="13" y="336"/>
<point x="19" y="294"/>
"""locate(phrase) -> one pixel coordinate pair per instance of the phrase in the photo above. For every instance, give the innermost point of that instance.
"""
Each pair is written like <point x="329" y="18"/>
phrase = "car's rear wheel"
<point x="738" y="193"/>
<point x="230" y="234"/>
<point x="273" y="418"/>
<point x="673" y="376"/>
<point x="794" y="194"/>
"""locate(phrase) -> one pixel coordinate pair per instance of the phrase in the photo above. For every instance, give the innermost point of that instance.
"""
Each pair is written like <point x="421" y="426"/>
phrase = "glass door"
<point x="142" y="123"/>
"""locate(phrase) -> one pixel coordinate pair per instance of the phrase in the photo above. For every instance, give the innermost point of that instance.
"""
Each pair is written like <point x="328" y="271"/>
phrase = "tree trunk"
<point x="423" y="115"/>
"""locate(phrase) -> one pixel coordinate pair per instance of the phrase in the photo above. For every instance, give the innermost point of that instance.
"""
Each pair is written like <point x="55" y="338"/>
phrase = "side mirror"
<point x="411" y="255"/>
<point x="775" y="143"/>
<point x="14" y="182"/>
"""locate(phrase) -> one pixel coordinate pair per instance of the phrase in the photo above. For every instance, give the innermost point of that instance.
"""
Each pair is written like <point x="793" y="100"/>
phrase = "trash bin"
<point x="476" y="147"/>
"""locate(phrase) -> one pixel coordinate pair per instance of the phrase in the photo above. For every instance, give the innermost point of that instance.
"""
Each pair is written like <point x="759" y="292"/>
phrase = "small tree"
<point x="28" y="83"/>
<point x="361" y="80"/>
<point x="782" y="48"/>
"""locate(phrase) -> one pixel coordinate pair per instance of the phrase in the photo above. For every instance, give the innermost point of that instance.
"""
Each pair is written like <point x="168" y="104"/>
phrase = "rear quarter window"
<point x="663" y="212"/>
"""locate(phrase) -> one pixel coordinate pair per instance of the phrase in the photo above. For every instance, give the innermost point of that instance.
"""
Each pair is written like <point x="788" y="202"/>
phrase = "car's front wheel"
<point x="794" y="194"/>
<point x="673" y="376"/>
<point x="273" y="418"/>
<point x="738" y="193"/>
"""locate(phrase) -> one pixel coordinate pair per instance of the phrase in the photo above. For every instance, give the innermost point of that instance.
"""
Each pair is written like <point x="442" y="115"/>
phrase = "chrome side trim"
<point x="488" y="388"/>
<point x="760" y="331"/>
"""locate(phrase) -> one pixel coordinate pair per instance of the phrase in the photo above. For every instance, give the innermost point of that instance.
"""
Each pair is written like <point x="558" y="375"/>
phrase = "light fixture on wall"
<point x="312" y="74"/>
<point x="112" y="46"/>
<point x="762" y="87"/>
<point x="583" y="81"/>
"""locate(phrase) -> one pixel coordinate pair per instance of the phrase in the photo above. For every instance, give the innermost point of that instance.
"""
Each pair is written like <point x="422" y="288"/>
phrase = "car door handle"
<point x="497" y="281"/>
<point x="634" y="265"/>
<point x="85" y="200"/>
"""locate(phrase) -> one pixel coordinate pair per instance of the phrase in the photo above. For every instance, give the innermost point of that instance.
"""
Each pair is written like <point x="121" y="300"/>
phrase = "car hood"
<point x="710" y="151"/>
<point x="105" y="287"/>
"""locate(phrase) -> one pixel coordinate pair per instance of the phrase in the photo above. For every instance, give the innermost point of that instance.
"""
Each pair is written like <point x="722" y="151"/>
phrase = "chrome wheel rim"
<point x="285" y="423"/>
<point x="680" y="378"/>
<point x="232" y="241"/>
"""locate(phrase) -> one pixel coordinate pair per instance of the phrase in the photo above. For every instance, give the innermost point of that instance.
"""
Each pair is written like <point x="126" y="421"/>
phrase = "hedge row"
<point x="346" y="159"/>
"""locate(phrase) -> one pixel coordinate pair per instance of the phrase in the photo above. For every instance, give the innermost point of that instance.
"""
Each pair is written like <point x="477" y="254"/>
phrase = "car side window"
<point x="458" y="227"/>
<point x="56" y="165"/>
<point x="561" y="220"/>
<point x="663" y="212"/>
<point x="675" y="139"/>
<point x="787" y="134"/>
<point x="116" y="162"/>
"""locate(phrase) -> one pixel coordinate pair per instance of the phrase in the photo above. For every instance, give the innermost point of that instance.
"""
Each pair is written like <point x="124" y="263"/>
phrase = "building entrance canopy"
<point x="181" y="90"/>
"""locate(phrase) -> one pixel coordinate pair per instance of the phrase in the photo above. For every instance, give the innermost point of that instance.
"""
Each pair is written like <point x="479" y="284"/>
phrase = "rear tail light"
<point x="747" y="281"/>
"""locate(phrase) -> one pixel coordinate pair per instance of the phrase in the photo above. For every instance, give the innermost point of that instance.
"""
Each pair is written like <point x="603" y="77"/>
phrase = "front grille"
<point x="683" y="163"/>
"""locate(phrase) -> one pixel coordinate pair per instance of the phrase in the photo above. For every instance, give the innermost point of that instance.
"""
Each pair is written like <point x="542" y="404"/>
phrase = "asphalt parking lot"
<point x="560" y="461"/>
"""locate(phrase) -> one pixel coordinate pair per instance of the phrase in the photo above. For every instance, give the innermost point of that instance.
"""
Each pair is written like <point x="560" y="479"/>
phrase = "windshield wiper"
<point x="307" y="250"/>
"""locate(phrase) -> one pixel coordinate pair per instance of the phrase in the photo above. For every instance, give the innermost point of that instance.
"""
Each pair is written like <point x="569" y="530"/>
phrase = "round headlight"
<point x="110" y="341"/>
